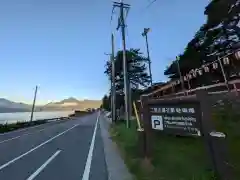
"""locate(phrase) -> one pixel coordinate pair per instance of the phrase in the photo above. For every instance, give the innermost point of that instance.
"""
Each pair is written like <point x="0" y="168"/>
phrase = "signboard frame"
<point x="179" y="117"/>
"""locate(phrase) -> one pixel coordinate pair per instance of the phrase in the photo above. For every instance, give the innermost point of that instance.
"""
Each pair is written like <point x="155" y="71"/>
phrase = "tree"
<point x="137" y="72"/>
<point x="106" y="102"/>
<point x="223" y="23"/>
<point x="219" y="36"/>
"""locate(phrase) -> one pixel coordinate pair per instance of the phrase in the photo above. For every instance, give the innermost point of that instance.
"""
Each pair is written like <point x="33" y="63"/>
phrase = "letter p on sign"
<point x="157" y="122"/>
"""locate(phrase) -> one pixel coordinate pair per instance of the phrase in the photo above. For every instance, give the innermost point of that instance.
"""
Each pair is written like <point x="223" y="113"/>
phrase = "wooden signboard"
<point x="175" y="117"/>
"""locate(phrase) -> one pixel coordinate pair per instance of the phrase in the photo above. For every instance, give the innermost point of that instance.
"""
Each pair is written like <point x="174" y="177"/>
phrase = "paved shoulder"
<point x="116" y="167"/>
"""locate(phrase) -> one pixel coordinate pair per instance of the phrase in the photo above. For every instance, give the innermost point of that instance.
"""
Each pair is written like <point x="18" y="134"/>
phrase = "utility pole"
<point x="144" y="34"/>
<point x="121" y="23"/>
<point x="113" y="82"/>
<point x="34" y="101"/>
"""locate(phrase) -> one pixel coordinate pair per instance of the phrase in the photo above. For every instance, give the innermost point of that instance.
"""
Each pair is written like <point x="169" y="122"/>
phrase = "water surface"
<point x="25" y="116"/>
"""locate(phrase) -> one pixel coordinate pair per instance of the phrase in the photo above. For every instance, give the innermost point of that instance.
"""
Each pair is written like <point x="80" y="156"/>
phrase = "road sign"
<point x="157" y="122"/>
<point x="176" y="117"/>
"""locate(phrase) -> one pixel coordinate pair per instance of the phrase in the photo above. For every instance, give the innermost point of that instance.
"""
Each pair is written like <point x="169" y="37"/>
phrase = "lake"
<point x="25" y="116"/>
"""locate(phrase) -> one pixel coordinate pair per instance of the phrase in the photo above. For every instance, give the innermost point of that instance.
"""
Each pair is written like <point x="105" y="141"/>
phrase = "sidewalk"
<point x="116" y="167"/>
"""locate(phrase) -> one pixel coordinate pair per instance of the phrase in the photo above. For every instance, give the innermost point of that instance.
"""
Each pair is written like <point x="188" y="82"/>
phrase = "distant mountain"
<point x="70" y="100"/>
<point x="72" y="104"/>
<point x="69" y="104"/>
<point x="10" y="106"/>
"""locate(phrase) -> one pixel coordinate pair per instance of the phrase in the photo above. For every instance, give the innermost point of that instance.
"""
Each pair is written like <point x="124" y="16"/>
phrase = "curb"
<point x="116" y="167"/>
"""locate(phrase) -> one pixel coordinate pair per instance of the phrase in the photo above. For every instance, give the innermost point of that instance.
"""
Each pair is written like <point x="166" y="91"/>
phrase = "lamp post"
<point x="144" y="34"/>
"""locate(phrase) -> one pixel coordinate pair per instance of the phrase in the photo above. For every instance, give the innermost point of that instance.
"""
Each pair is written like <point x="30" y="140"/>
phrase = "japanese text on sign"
<point x="172" y="110"/>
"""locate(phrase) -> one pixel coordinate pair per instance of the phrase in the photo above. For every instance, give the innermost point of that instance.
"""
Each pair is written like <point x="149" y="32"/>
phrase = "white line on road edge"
<point x="90" y="153"/>
<point x="33" y="149"/>
<point x="43" y="166"/>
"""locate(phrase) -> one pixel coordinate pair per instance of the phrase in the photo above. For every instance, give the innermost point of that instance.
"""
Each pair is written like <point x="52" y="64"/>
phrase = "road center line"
<point x="23" y="129"/>
<point x="36" y="147"/>
<point x="6" y="140"/>
<point x="90" y="153"/>
<point x="25" y="134"/>
<point x="39" y="170"/>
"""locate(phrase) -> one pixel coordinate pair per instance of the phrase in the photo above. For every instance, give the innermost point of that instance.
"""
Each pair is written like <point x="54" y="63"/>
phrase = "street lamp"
<point x="144" y="34"/>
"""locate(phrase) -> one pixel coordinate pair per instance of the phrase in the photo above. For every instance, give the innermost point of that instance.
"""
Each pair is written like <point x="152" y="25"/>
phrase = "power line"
<point x="151" y="3"/>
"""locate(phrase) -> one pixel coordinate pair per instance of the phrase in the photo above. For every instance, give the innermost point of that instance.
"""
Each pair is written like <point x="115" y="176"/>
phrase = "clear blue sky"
<point x="60" y="44"/>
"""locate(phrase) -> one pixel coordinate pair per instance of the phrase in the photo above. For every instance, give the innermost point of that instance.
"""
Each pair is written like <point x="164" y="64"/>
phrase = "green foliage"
<point x="216" y="38"/>
<point x="19" y="125"/>
<point x="174" y="158"/>
<point x="106" y="103"/>
<point x="227" y="119"/>
<point x="180" y="154"/>
<point x="137" y="74"/>
<point x="137" y="70"/>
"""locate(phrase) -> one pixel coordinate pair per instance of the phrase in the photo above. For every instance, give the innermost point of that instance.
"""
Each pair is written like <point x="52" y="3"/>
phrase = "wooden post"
<point x="147" y="127"/>
<point x="215" y="141"/>
<point x="223" y="73"/>
<point x="173" y="90"/>
<point x="235" y="89"/>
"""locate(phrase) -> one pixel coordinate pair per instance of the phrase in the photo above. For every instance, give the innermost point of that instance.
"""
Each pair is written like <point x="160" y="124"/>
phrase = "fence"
<point x="231" y="60"/>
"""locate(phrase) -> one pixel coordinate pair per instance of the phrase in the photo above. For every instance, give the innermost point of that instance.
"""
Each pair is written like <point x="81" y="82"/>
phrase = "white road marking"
<point x="39" y="170"/>
<point x="10" y="139"/>
<point x="36" y="147"/>
<point x="6" y="140"/>
<point x="90" y="153"/>
<point x="23" y="129"/>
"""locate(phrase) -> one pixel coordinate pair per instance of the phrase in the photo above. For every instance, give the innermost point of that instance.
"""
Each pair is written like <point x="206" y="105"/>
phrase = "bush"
<point x="174" y="157"/>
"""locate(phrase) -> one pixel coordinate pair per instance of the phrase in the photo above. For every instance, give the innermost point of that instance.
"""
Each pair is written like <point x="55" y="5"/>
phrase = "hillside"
<point x="10" y="106"/>
<point x="64" y="105"/>
<point x="72" y="104"/>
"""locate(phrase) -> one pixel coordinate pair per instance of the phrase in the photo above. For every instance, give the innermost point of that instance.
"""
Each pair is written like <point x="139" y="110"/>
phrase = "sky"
<point x="59" y="45"/>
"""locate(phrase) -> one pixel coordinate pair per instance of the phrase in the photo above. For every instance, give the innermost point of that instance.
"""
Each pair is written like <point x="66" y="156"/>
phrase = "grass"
<point x="19" y="125"/>
<point x="177" y="158"/>
<point x="227" y="120"/>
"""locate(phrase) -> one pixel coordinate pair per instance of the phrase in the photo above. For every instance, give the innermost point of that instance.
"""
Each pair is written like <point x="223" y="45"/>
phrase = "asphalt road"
<point x="64" y="150"/>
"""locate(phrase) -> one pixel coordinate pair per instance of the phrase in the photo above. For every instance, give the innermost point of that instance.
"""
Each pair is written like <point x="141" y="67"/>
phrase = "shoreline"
<point x="35" y="111"/>
<point x="11" y="118"/>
